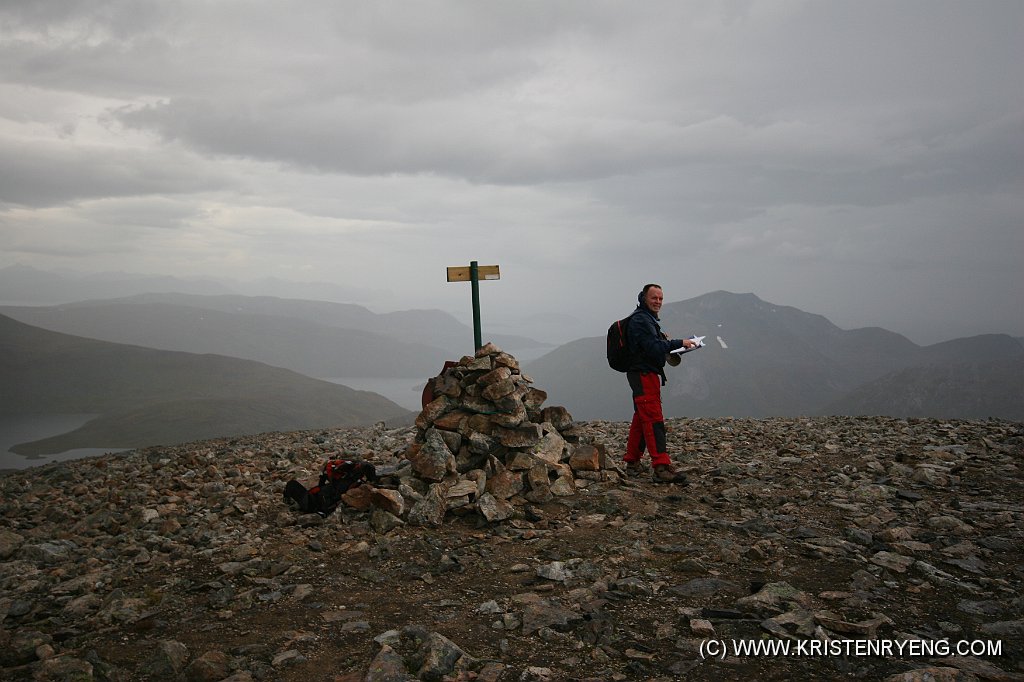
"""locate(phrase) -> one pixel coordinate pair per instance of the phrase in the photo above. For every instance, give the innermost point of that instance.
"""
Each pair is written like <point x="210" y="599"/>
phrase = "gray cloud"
<point x="858" y="159"/>
<point x="43" y="174"/>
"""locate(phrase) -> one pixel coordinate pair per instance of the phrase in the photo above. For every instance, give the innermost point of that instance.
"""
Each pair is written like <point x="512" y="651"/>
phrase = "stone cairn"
<point x="484" y="444"/>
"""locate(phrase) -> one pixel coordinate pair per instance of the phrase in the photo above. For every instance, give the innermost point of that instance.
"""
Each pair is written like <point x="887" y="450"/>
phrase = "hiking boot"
<point x="666" y="473"/>
<point x="634" y="468"/>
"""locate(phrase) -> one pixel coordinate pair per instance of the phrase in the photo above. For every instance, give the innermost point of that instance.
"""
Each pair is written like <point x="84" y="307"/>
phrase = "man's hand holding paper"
<point x="692" y="343"/>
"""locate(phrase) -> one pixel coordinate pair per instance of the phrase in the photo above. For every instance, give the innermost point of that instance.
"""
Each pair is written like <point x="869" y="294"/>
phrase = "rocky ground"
<point x="184" y="563"/>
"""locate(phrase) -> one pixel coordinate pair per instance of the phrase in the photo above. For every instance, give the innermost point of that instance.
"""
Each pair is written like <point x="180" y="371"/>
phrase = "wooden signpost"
<point x="474" y="273"/>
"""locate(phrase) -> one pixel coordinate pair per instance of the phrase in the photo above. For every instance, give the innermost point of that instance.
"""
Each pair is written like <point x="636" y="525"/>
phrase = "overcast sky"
<point x="861" y="160"/>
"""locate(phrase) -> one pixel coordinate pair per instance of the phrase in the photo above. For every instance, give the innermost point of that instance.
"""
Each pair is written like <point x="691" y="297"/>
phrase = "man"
<point x="649" y="347"/>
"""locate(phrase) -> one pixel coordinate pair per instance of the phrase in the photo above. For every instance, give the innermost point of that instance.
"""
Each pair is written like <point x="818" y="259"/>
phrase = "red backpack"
<point x="336" y="477"/>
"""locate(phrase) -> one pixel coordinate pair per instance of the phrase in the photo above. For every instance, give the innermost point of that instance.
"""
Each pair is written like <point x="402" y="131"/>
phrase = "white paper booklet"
<point x="699" y="340"/>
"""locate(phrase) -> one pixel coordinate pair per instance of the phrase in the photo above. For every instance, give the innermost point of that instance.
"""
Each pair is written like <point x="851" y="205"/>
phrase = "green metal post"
<point x="474" y="278"/>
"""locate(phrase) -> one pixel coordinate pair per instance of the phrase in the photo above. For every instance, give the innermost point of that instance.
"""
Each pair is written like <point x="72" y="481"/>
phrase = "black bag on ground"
<point x="337" y="476"/>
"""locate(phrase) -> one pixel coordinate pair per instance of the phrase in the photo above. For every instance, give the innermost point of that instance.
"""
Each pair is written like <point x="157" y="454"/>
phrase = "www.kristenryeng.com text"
<point x="719" y="649"/>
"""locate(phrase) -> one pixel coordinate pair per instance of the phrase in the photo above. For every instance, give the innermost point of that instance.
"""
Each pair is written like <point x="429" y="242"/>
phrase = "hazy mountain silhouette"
<point x="308" y="347"/>
<point x="317" y="338"/>
<point x="763" y="359"/>
<point x="969" y="387"/>
<point x="28" y="285"/>
<point x="148" y="396"/>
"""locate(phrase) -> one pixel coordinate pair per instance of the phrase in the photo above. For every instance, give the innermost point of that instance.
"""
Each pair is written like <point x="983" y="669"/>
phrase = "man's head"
<point x="651" y="297"/>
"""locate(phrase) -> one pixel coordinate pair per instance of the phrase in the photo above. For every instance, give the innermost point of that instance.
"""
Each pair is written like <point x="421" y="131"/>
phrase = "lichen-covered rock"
<point x="434" y="459"/>
<point x="430" y="510"/>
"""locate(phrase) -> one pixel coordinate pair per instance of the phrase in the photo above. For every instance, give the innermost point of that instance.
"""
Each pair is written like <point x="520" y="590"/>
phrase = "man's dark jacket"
<point x="647" y="343"/>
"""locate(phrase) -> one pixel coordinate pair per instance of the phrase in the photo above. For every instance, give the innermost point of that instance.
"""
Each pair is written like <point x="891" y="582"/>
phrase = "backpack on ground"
<point x="345" y="473"/>
<point x="336" y="477"/>
<point x="619" y="356"/>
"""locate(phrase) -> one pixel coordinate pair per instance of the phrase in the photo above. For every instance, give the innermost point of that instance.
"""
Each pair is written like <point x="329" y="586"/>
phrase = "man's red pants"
<point x="648" y="426"/>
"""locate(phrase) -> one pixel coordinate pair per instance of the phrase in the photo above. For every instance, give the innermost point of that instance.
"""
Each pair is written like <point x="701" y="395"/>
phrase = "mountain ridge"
<point x="49" y="372"/>
<point x="763" y="359"/>
<point x="317" y="338"/>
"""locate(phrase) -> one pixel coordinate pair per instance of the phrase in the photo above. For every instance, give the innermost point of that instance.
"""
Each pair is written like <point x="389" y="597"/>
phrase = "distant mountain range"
<point x="317" y="338"/>
<point x="23" y="284"/>
<point x="763" y="359"/>
<point x="172" y="367"/>
<point x="147" y="396"/>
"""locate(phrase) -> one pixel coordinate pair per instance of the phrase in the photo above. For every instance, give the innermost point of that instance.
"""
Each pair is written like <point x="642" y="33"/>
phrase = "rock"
<point x="519" y="461"/>
<point x="564" y="485"/>
<point x="20" y="647"/>
<point x="556" y="570"/>
<point x="795" y="624"/>
<point x="539" y="613"/>
<point x="482" y="443"/>
<point x="430" y="510"/>
<point x="982" y="669"/>
<point x="705" y="587"/>
<point x="949" y="524"/>
<point x="47" y="552"/>
<point x="981" y="608"/>
<point x="536" y="673"/>
<point x="210" y="667"/>
<point x="438" y="657"/>
<point x="288" y="657"/>
<point x="523" y="436"/>
<point x="867" y="629"/>
<point x="499" y="389"/>
<point x="434" y="460"/>
<point x="63" y="669"/>
<point x="701" y="627"/>
<point x="112" y="560"/>
<point x="243" y="676"/>
<point x="494" y="509"/>
<point x="450" y="421"/>
<point x="1004" y="628"/>
<point x="462" y="488"/>
<point x="558" y="417"/>
<point x="550" y="448"/>
<point x="534" y="398"/>
<point x="433" y="411"/>
<point x="387" y="500"/>
<point x="498" y="375"/>
<point x="933" y="674"/>
<point x="505" y="484"/>
<point x="383" y="522"/>
<point x="774" y="598"/>
<point x="9" y="543"/>
<point x="894" y="562"/>
<point x="124" y="610"/>
<point x="585" y="458"/>
<point x="388" y="666"/>
<point x="167" y="660"/>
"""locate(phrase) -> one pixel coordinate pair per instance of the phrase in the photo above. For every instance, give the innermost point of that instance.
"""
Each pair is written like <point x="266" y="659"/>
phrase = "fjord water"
<point x="16" y="429"/>
<point x="406" y="391"/>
